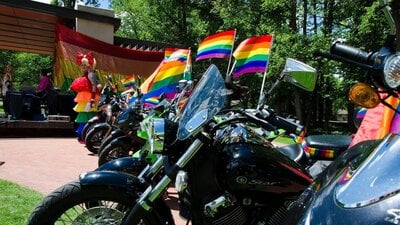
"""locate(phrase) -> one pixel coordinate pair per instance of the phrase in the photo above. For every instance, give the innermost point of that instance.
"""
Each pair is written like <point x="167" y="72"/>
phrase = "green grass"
<point x="16" y="203"/>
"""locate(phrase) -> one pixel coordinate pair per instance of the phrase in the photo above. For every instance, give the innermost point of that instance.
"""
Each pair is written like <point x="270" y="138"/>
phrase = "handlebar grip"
<point x="352" y="53"/>
<point x="287" y="125"/>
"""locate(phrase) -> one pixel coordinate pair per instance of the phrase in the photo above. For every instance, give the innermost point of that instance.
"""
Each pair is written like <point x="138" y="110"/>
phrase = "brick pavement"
<point x="44" y="164"/>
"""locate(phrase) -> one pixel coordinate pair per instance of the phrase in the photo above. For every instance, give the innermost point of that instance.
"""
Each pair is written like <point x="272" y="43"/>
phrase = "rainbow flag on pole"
<point x="166" y="77"/>
<point x="218" y="45"/>
<point x="252" y="55"/>
<point x="128" y="81"/>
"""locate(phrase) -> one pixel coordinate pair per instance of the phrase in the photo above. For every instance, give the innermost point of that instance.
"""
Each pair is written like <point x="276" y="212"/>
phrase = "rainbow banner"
<point x="218" y="45"/>
<point x="166" y="77"/>
<point x="168" y="52"/>
<point x="110" y="59"/>
<point x="252" y="55"/>
<point x="129" y="81"/>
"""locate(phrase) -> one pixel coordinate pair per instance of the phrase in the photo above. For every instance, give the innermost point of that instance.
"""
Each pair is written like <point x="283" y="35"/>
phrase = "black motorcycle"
<point x="224" y="173"/>
<point x="362" y="185"/>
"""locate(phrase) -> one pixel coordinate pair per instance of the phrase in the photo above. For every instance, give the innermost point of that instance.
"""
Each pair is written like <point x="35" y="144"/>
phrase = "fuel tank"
<point x="249" y="162"/>
<point x="360" y="187"/>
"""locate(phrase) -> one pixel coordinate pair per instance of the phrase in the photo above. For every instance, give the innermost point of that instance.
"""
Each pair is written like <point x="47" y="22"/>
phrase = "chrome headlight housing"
<point x="391" y="71"/>
<point x="156" y="132"/>
<point x="161" y="133"/>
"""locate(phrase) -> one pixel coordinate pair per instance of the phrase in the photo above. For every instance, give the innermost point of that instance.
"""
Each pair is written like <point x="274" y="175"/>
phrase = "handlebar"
<point x="348" y="54"/>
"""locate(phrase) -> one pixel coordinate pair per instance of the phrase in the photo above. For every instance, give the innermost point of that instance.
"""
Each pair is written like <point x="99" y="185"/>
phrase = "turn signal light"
<point x="364" y="95"/>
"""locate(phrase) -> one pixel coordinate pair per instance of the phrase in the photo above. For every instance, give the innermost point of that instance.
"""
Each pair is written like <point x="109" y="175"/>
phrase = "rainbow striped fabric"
<point x="252" y="55"/>
<point x="166" y="77"/>
<point x="128" y="81"/>
<point x="218" y="45"/>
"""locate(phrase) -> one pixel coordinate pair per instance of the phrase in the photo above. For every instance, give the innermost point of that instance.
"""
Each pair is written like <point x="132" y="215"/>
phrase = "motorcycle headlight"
<point x="391" y="71"/>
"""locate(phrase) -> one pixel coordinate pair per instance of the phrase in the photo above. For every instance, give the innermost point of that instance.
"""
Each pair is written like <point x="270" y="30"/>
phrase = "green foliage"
<point x="17" y="203"/>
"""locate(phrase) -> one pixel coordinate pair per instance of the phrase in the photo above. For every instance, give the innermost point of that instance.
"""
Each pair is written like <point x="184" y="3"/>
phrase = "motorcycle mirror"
<point x="300" y="74"/>
<point x="364" y="95"/>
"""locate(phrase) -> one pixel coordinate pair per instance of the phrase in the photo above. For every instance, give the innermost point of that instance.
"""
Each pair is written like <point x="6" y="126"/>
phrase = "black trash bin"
<point x="16" y="104"/>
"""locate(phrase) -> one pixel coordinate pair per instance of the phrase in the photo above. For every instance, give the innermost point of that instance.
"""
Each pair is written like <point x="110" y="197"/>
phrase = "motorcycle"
<point x="123" y="144"/>
<point x="249" y="181"/>
<point x="362" y="185"/>
<point x="103" y="114"/>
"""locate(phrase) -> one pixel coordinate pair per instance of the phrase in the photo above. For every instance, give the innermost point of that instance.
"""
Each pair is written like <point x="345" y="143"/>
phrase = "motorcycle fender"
<point x="128" y="182"/>
<point x="121" y="164"/>
<point x="94" y="119"/>
<point x="123" y="140"/>
<point x="112" y="178"/>
<point x="101" y="125"/>
<point x="117" y="133"/>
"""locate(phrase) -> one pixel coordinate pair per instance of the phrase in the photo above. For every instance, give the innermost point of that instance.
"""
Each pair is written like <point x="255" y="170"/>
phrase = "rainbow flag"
<point x="128" y="81"/>
<point x="218" y="45"/>
<point x="252" y="55"/>
<point x="168" y="52"/>
<point x="166" y="77"/>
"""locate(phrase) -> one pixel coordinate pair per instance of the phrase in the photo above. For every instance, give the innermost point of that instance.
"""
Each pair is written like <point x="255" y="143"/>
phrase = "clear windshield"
<point x="206" y="101"/>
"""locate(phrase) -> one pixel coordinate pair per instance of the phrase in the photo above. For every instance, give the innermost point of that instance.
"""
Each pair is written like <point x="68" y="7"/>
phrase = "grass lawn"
<point x="16" y="203"/>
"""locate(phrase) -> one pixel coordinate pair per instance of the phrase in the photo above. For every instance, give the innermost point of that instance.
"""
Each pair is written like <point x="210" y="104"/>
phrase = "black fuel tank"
<point x="253" y="167"/>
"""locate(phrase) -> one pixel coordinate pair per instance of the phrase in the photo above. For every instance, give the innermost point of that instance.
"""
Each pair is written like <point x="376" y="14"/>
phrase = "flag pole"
<point x="227" y="78"/>
<point x="262" y="96"/>
<point x="188" y="67"/>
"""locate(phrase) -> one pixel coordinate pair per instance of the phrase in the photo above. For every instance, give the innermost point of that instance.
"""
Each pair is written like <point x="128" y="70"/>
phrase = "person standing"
<point x="87" y="88"/>
<point x="6" y="86"/>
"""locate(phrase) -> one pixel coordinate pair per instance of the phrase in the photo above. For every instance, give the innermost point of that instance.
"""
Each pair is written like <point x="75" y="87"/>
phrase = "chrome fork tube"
<point x="151" y="194"/>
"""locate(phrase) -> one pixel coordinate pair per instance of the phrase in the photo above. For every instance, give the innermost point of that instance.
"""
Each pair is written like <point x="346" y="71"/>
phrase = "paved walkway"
<point x="44" y="164"/>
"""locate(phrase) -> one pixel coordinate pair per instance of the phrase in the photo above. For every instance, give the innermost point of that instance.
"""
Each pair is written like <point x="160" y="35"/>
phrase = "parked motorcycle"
<point x="362" y="185"/>
<point x="123" y="144"/>
<point x="104" y="111"/>
<point x="249" y="181"/>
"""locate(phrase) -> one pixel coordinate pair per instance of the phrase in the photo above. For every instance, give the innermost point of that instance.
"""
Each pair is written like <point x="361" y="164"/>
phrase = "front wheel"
<point x="76" y="204"/>
<point x="95" y="137"/>
<point x="115" y="151"/>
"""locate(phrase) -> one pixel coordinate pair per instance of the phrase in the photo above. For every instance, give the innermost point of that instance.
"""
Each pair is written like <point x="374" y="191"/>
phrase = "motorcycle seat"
<point x="294" y="152"/>
<point x="339" y="142"/>
<point x="326" y="146"/>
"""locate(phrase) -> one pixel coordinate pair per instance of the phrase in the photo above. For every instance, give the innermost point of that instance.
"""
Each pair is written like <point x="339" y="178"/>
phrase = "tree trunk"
<point x="305" y="15"/>
<point x="293" y="18"/>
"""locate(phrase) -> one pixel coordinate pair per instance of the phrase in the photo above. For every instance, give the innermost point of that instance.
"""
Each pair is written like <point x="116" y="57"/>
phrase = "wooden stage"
<point x="28" y="128"/>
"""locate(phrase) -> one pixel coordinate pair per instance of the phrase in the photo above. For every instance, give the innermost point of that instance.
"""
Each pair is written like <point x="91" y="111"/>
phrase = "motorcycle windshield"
<point x="206" y="100"/>
<point x="373" y="178"/>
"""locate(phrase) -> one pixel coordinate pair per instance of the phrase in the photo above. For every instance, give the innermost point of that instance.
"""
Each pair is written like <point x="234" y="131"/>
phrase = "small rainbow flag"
<point x="218" y="45"/>
<point x="128" y="81"/>
<point x="152" y="100"/>
<point x="252" y="55"/>
<point x="179" y="54"/>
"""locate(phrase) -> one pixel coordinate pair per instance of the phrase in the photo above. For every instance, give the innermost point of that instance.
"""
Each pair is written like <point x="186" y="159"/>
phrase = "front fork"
<point x="146" y="200"/>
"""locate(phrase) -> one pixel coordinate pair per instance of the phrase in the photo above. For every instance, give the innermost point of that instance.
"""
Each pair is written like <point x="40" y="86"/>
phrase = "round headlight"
<point x="391" y="71"/>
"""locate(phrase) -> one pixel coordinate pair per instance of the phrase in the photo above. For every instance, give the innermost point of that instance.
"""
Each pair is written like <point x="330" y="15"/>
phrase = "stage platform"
<point x="27" y="128"/>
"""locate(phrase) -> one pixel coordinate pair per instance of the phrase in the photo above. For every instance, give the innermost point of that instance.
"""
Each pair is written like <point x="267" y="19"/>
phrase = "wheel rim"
<point x="97" y="139"/>
<point x="117" y="153"/>
<point x="105" y="212"/>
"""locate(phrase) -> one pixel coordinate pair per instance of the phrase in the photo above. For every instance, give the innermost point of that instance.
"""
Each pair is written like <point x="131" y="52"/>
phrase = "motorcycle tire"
<point x="111" y="152"/>
<point x="108" y="140"/>
<point x="95" y="137"/>
<point x="76" y="204"/>
<point x="86" y="129"/>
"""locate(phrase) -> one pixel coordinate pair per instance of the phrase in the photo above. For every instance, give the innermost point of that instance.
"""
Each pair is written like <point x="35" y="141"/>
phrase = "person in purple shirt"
<point x="45" y="83"/>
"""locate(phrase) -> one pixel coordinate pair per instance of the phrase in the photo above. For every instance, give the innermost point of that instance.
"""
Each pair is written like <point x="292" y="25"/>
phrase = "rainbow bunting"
<point x="252" y="55"/>
<point x="218" y="45"/>
<point x="128" y="81"/>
